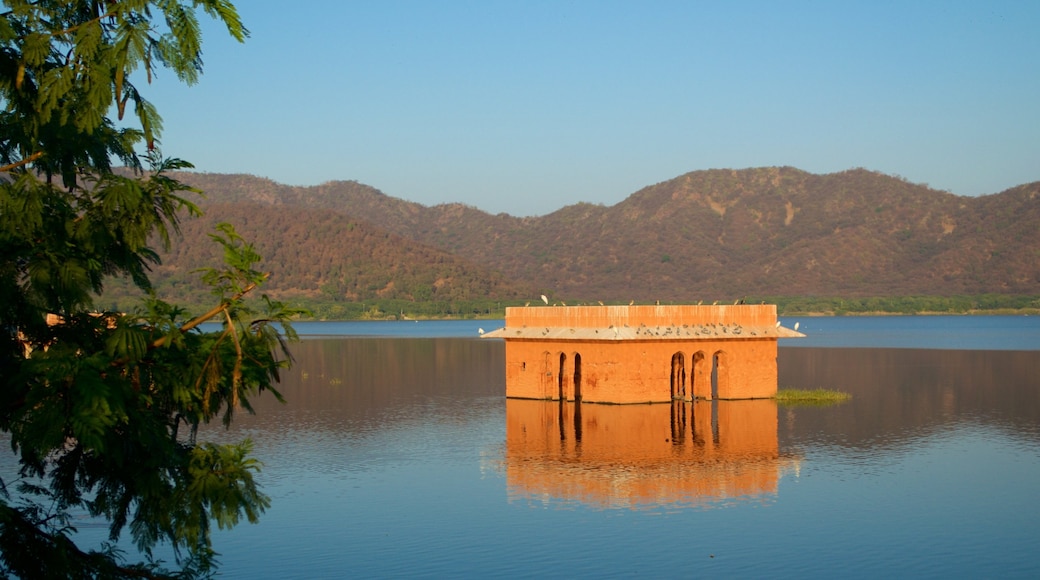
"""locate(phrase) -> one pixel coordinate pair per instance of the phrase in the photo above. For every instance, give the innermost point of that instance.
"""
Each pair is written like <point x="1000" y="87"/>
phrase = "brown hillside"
<point x="718" y="234"/>
<point x="316" y="253"/>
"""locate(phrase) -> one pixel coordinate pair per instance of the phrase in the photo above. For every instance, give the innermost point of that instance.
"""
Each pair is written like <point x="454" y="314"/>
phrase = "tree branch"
<point x="197" y="320"/>
<point x="212" y="312"/>
<point x="99" y="18"/>
<point x="25" y="161"/>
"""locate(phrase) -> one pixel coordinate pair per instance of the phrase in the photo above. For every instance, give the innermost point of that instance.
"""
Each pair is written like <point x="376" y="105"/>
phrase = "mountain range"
<point x="706" y="235"/>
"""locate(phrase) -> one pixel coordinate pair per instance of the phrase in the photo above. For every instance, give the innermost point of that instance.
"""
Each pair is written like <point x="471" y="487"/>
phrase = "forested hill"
<point x="708" y="234"/>
<point x="312" y="253"/>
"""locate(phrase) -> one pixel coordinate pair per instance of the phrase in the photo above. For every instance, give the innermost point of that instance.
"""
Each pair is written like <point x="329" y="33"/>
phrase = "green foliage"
<point x="324" y="308"/>
<point x="811" y="397"/>
<point x="102" y="408"/>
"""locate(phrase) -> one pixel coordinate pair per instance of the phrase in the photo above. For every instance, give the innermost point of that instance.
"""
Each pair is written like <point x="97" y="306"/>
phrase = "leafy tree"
<point x="103" y="408"/>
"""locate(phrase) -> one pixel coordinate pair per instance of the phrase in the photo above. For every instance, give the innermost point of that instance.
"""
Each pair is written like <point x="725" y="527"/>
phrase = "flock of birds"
<point x="710" y="329"/>
<point x="693" y="330"/>
<point x="545" y="300"/>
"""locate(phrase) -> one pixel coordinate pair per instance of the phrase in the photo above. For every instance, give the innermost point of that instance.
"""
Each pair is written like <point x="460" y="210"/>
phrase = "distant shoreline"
<point x="816" y="314"/>
<point x="994" y="312"/>
<point x="494" y="308"/>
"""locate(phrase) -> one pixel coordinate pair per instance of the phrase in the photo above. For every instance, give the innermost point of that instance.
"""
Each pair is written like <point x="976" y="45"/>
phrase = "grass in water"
<point x="811" y="397"/>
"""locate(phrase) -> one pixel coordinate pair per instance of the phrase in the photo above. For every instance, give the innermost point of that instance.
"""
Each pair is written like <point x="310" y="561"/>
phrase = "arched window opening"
<point x="700" y="379"/>
<point x="560" y="377"/>
<point x="547" y="379"/>
<point x="719" y="382"/>
<point x="577" y="376"/>
<point x="715" y="376"/>
<point x="678" y="376"/>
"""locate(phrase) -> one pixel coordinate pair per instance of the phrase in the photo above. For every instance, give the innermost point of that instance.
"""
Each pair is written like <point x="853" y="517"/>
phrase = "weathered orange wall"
<point x="597" y="366"/>
<point x="638" y="455"/>
<point x="639" y="371"/>
<point x="636" y="370"/>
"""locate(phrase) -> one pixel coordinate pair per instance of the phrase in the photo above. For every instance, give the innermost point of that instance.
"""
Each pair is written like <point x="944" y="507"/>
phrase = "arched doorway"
<point x="561" y="377"/>
<point x="719" y="375"/>
<point x="700" y="376"/>
<point x="677" y="385"/>
<point x="545" y="380"/>
<point x="577" y="377"/>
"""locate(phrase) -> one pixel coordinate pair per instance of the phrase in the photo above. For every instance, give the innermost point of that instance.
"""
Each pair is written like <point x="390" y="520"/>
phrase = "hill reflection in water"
<point x="899" y="395"/>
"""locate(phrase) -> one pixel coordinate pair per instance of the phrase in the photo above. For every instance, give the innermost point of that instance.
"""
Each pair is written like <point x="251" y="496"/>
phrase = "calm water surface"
<point x="397" y="455"/>
<point x="935" y="332"/>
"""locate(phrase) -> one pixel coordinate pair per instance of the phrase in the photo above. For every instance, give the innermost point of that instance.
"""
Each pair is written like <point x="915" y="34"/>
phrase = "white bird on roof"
<point x="480" y="331"/>
<point x="545" y="299"/>
<point x="796" y="325"/>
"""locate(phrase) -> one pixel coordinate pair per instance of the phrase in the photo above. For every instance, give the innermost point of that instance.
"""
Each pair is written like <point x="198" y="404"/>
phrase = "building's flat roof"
<point x="650" y="315"/>
<point x="649" y="333"/>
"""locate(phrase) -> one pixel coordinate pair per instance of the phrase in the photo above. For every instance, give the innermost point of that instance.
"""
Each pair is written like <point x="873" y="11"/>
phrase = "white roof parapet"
<point x="643" y="332"/>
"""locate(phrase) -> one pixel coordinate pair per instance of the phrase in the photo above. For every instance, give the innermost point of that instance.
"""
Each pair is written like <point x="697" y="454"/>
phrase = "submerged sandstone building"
<point x="641" y="354"/>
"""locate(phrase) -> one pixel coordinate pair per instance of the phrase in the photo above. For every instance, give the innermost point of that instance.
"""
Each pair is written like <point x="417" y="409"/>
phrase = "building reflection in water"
<point x="683" y="454"/>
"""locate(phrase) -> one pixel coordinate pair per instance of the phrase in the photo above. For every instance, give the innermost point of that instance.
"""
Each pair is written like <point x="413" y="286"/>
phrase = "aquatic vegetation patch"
<point x="818" y="397"/>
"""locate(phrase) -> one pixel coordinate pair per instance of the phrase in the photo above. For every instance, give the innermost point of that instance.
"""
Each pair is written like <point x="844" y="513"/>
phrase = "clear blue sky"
<point x="524" y="107"/>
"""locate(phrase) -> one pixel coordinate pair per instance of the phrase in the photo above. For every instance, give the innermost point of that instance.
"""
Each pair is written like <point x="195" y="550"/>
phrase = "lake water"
<point x="934" y="332"/>
<point x="398" y="455"/>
